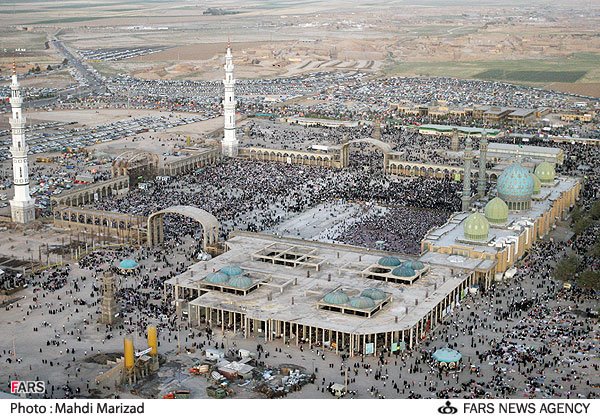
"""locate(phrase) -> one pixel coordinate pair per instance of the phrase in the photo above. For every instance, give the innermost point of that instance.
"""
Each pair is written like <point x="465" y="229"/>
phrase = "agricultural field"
<point x="532" y="76"/>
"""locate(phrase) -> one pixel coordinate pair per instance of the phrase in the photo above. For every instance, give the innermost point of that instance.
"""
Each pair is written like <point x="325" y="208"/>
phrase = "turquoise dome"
<point x="216" y="278"/>
<point x="128" y="264"/>
<point x="447" y="355"/>
<point x="404" y="271"/>
<point x="362" y="302"/>
<point x="337" y="297"/>
<point x="231" y="270"/>
<point x="240" y="282"/>
<point x="389" y="261"/>
<point x="373" y="293"/>
<point x="515" y="187"/>
<point x="415" y="265"/>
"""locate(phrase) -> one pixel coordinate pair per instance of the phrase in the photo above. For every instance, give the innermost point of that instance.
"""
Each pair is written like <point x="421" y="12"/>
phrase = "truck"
<point x="216" y="392"/>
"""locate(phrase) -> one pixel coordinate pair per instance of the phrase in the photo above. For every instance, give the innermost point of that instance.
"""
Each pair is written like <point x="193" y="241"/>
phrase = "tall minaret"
<point x="466" y="194"/>
<point x="22" y="206"/>
<point x="229" y="146"/>
<point x="481" y="181"/>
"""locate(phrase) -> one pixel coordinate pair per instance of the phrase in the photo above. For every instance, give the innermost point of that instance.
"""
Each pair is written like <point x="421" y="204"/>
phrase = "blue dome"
<point x="128" y="264"/>
<point x="362" y="302"/>
<point x="336" y="298"/>
<point x="373" y="293"/>
<point x="404" y="271"/>
<point x="515" y="183"/>
<point x="415" y="265"/>
<point x="216" y="278"/>
<point x="240" y="282"/>
<point x="231" y="270"/>
<point x="389" y="261"/>
<point x="447" y="355"/>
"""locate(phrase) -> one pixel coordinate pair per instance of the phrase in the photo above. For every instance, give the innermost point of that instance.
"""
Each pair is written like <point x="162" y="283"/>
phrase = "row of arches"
<point x="292" y="157"/>
<point x="90" y="193"/>
<point x="190" y="163"/>
<point x="454" y="173"/>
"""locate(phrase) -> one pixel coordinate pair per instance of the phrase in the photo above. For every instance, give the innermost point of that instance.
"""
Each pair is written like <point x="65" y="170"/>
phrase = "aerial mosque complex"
<point x="349" y="299"/>
<point x="360" y="301"/>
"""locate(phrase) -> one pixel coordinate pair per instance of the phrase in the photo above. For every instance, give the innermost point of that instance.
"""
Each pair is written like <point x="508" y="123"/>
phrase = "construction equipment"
<point x="177" y="394"/>
<point x="199" y="369"/>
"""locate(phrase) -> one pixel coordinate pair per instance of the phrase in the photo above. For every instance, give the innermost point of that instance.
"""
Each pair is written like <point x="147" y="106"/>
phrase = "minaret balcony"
<point x="18" y="121"/>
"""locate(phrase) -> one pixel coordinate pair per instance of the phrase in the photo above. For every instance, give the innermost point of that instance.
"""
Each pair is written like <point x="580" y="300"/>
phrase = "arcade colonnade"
<point x="92" y="192"/>
<point x="191" y="163"/>
<point x="295" y="332"/>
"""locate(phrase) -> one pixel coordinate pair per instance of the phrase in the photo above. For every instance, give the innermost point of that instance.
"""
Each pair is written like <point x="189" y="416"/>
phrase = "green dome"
<point x="240" y="282"/>
<point x="545" y="172"/>
<point x="373" y="293"/>
<point x="389" y="261"/>
<point x="362" y="302"/>
<point x="496" y="211"/>
<point x="337" y="297"/>
<point x="415" y="265"/>
<point x="404" y="271"/>
<point x="216" y="278"/>
<point x="477" y="227"/>
<point x="515" y="184"/>
<point x="231" y="270"/>
<point x="537" y="184"/>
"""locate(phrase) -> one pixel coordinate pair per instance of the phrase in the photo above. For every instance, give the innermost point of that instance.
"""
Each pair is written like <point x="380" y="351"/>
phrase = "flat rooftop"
<point x="340" y="269"/>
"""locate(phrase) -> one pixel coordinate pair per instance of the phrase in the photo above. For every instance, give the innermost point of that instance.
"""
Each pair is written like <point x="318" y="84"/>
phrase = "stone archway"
<point x="210" y="224"/>
<point x="384" y="147"/>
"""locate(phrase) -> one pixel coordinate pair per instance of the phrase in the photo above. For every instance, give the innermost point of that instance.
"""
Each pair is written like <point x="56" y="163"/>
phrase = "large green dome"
<point x="389" y="261"/>
<point x="476" y="227"/>
<point x="404" y="271"/>
<point x="373" y="293"/>
<point x="240" y="282"/>
<point x="545" y="172"/>
<point x="496" y="211"/>
<point x="336" y="297"/>
<point x="362" y="302"/>
<point x="231" y="270"/>
<point x="515" y="187"/>
<point x="217" y="278"/>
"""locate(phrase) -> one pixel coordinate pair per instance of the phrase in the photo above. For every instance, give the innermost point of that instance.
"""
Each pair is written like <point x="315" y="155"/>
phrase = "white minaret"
<point x="229" y="146"/>
<point x="22" y="206"/>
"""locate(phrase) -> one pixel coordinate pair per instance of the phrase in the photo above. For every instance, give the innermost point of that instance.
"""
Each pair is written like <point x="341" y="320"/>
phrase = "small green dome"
<point x="415" y="265"/>
<point x="373" y="293"/>
<point x="362" y="302"/>
<point x="231" y="270"/>
<point x="404" y="271"/>
<point x="240" y="282"/>
<point x="545" y="172"/>
<point x="216" y="278"/>
<point x="537" y="184"/>
<point x="336" y="297"/>
<point x="476" y="227"/>
<point x="496" y="211"/>
<point x="389" y="261"/>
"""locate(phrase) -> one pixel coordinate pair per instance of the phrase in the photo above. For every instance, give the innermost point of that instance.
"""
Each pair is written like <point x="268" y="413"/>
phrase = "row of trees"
<point x="578" y="267"/>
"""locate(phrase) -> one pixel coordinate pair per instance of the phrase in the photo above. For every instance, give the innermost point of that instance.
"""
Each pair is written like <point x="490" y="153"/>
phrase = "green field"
<point x="580" y="67"/>
<point x="532" y="76"/>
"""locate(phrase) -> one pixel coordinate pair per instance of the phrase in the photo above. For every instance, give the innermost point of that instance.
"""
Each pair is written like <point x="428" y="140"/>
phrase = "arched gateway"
<point x="384" y="147"/>
<point x="209" y="223"/>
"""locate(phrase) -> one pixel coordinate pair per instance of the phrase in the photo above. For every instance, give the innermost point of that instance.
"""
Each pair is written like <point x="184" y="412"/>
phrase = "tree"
<point x="582" y="224"/>
<point x="595" y="210"/>
<point x="49" y="67"/>
<point x="589" y="280"/>
<point x="65" y="61"/>
<point x="566" y="268"/>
